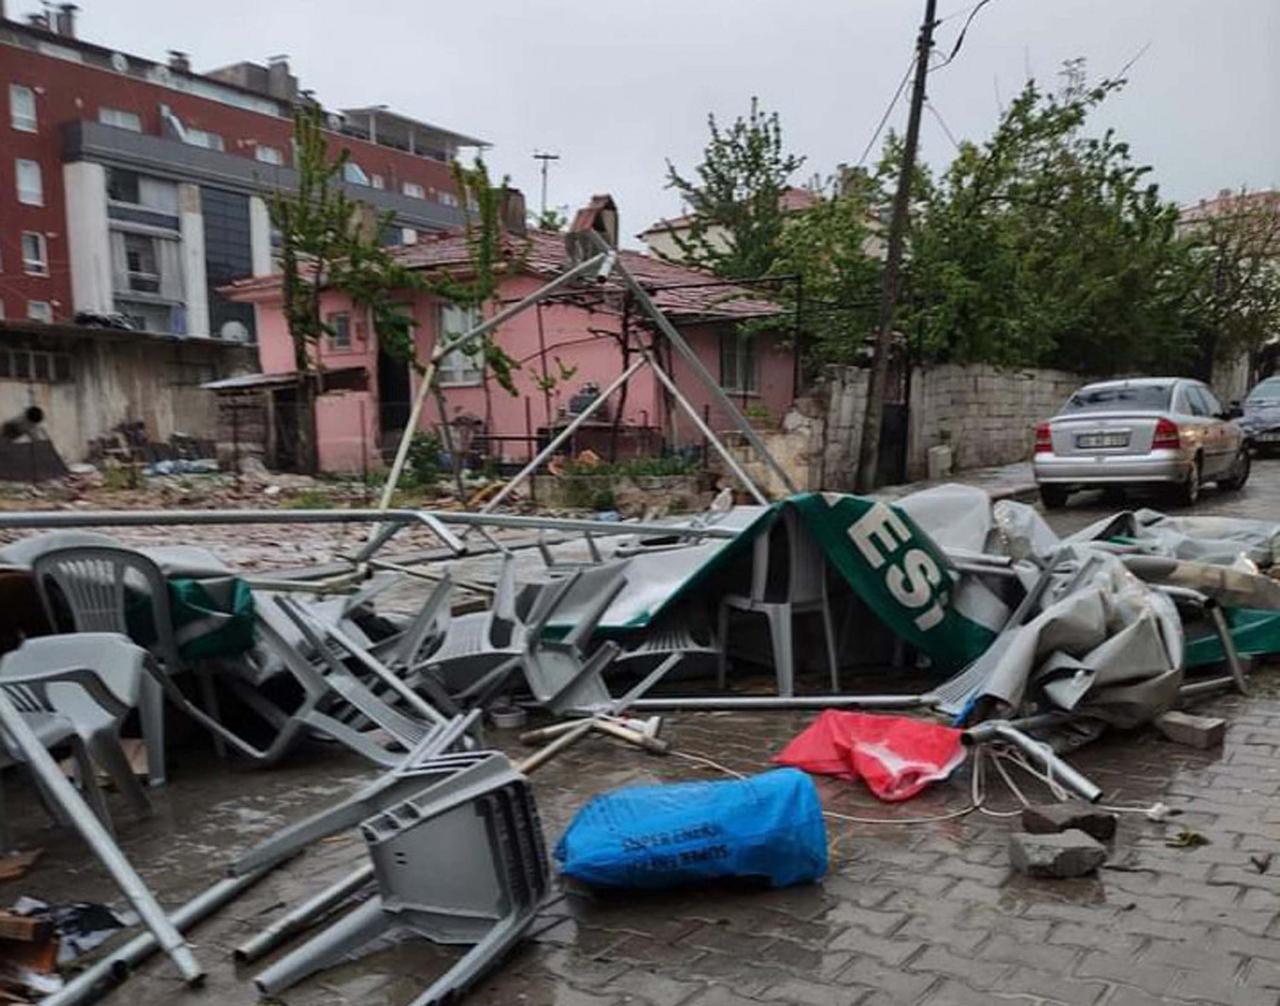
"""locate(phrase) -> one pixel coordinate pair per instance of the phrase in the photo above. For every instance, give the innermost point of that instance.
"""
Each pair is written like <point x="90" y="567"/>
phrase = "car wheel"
<point x="1186" y="493"/>
<point x="1054" y="497"/>
<point x="1239" y="472"/>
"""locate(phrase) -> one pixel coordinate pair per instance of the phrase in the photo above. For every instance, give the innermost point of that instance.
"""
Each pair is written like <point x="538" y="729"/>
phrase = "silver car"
<point x="1146" y="431"/>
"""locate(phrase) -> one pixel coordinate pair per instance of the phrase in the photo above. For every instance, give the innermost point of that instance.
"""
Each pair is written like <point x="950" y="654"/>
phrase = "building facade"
<point x="565" y="352"/>
<point x="134" y="190"/>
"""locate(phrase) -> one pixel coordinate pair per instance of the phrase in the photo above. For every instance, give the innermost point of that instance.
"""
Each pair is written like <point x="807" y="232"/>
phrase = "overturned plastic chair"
<point x="460" y="861"/>
<point x="77" y="689"/>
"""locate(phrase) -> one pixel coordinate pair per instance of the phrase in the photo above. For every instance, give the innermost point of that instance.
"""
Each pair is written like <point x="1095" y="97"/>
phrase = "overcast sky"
<point x="615" y="88"/>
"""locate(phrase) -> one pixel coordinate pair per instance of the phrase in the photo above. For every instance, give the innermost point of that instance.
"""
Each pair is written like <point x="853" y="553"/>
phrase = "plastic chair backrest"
<point x="787" y="565"/>
<point x="116" y="663"/>
<point x="93" y="580"/>
<point x="808" y="564"/>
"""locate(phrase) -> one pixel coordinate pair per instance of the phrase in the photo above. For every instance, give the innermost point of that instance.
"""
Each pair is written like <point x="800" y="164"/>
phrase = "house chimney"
<point x="599" y="215"/>
<point x="179" y="60"/>
<point x="280" y="82"/>
<point x="65" y="20"/>
<point x="512" y="213"/>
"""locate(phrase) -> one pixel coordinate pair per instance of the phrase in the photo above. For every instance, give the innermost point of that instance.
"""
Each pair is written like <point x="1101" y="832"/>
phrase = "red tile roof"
<point x="1229" y="203"/>
<point x="700" y="295"/>
<point x="792" y="200"/>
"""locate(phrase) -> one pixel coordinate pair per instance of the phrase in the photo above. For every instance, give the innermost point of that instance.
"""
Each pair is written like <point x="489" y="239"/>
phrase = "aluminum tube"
<point x="562" y="436"/>
<point x="301" y="916"/>
<point x="705" y="430"/>
<point x="795" y="702"/>
<point x="1198" y="688"/>
<point x="704" y="376"/>
<point x="443" y="348"/>
<point x="161" y="518"/>
<point x="1055" y="767"/>
<point x="42" y="765"/>
<point x="111" y="969"/>
<point x="1228" y="645"/>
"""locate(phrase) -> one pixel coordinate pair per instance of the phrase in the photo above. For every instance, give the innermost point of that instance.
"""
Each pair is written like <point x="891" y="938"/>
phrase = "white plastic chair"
<point x="801" y="589"/>
<point x="78" y="689"/>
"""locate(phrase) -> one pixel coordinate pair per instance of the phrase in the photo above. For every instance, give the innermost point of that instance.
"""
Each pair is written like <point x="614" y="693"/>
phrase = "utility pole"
<point x="546" y="160"/>
<point x="869" y="452"/>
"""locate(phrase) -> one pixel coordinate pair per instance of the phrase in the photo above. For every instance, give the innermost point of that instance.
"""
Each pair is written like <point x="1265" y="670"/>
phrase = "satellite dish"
<point x="234" y="331"/>
<point x="120" y="62"/>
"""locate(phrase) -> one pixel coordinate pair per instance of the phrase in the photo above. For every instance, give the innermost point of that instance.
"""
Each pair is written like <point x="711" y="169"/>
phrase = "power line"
<point x="888" y="111"/>
<point x="960" y="38"/>
<point x="941" y="122"/>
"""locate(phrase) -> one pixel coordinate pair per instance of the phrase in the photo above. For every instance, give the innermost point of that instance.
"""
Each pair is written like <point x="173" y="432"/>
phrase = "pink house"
<point x="565" y="349"/>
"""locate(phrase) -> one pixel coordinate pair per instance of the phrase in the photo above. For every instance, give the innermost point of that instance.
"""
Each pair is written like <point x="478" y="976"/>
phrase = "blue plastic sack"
<point x="768" y="826"/>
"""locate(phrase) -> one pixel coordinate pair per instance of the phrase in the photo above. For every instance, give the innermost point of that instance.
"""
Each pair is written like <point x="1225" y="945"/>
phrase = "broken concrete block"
<point x="1066" y="854"/>
<point x="1049" y="819"/>
<point x="1193" y="731"/>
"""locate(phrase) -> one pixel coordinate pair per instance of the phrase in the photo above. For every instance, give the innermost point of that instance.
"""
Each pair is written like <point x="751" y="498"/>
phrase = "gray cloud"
<point x="616" y="88"/>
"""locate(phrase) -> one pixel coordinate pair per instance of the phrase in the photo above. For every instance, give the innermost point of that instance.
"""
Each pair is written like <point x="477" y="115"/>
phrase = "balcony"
<point x="165" y="158"/>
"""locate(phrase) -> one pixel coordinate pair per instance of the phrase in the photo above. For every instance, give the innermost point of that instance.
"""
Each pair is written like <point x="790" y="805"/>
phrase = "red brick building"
<point x="137" y="188"/>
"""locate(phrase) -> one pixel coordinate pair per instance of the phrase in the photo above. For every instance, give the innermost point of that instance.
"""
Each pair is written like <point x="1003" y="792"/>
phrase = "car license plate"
<point x="1102" y="440"/>
<point x="1269" y="438"/>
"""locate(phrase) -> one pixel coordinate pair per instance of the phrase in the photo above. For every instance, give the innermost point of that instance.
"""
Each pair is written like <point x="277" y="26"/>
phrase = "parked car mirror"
<point x="1234" y="411"/>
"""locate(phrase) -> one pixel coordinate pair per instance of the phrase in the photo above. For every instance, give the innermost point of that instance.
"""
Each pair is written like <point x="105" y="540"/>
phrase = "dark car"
<point x="1261" y="418"/>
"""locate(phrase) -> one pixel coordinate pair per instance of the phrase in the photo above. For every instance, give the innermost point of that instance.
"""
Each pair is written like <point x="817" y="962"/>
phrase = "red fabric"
<point x="895" y="756"/>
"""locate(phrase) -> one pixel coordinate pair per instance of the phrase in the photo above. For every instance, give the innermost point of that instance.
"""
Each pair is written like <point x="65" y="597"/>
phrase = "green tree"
<point x="734" y="196"/>
<point x="1232" y="277"/>
<point x="1047" y="246"/>
<point x="330" y="241"/>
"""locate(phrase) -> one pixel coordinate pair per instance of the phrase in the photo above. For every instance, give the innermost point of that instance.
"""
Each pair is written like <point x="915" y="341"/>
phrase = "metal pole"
<point x="1042" y="754"/>
<point x="705" y="430"/>
<point x="750" y="702"/>
<point x="561" y="437"/>
<point x="95" y="980"/>
<point x="700" y="371"/>
<point x="869" y="449"/>
<point x="298" y="918"/>
<point x="99" y="839"/>
<point x="442" y="348"/>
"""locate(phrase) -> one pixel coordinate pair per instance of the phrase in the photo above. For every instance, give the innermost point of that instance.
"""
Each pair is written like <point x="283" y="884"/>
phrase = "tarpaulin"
<point x="768" y="826"/>
<point x="896" y="756"/>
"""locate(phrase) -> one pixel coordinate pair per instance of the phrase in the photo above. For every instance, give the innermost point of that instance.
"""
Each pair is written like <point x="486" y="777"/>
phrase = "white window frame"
<point x="377" y="181"/>
<point x="336" y="343"/>
<point x="204" y="138"/>
<point x="29" y="196"/>
<point x="459" y="368"/>
<point x="447" y="198"/>
<point x="413" y="190"/>
<point x="742" y="374"/>
<point x="268" y="154"/>
<point x="142" y="280"/>
<point x="354" y="174"/>
<point x="120" y="118"/>
<point x="38" y="266"/>
<point x="40" y="310"/>
<point x="23" y="121"/>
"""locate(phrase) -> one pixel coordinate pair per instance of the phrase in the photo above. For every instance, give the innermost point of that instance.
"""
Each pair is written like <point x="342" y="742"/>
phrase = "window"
<point x="202" y="138"/>
<point x="119" y="118"/>
<point x="339" y="330"/>
<point x="268" y="155"/>
<point x="414" y="189"/>
<point x="1211" y="402"/>
<point x="1119" y="397"/>
<point x="39" y="310"/>
<point x="30" y="183"/>
<point x="377" y="181"/>
<point x="461" y="366"/>
<point x="353" y="173"/>
<point x="35" y="254"/>
<point x="22" y="108"/>
<point x="122" y="186"/>
<point x="140" y="263"/>
<point x="737" y="362"/>
<point x="36" y="365"/>
<point x="447" y="199"/>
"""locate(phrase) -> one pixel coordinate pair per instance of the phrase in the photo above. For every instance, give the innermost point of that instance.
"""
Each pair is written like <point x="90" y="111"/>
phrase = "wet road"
<point x="913" y="911"/>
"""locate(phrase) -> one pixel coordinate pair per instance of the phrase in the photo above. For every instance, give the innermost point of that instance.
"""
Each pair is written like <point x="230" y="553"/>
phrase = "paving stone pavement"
<point x="914" y="913"/>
